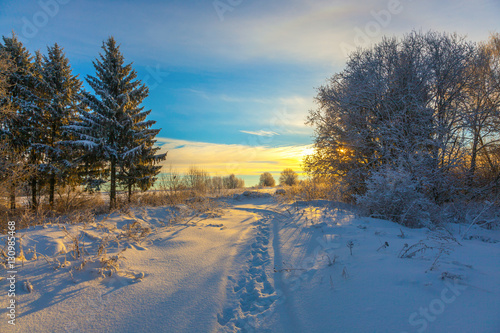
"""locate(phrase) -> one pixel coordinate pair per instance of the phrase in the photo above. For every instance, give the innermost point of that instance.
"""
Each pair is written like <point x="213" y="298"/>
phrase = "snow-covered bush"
<point x="395" y="195"/>
<point x="483" y="214"/>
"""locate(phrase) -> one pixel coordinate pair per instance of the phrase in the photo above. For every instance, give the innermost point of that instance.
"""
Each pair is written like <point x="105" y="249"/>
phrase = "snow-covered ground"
<point x="254" y="266"/>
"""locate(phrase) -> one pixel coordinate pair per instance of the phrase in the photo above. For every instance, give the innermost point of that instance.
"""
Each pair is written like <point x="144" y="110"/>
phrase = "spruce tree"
<point x="114" y="129"/>
<point x="6" y="117"/>
<point x="22" y="130"/>
<point x="59" y="90"/>
<point x="141" y="170"/>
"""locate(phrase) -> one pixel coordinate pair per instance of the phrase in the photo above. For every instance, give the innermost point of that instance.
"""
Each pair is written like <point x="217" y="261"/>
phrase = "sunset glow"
<point x="223" y="159"/>
<point x="230" y="88"/>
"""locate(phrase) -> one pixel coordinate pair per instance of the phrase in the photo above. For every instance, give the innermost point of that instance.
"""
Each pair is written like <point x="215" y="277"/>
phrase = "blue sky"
<point x="231" y="81"/>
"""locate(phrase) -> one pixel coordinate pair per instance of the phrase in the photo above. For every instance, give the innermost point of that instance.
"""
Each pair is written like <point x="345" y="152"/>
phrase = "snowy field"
<point x="251" y="264"/>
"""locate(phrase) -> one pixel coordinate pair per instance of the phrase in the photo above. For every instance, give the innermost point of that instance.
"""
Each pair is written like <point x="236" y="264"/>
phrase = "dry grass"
<point x="70" y="199"/>
<point x="207" y="206"/>
<point x="75" y="206"/>
<point x="135" y="231"/>
<point x="308" y="190"/>
<point x="161" y="198"/>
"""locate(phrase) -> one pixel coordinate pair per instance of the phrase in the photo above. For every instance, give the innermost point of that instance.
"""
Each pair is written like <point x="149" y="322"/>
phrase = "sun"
<point x="307" y="151"/>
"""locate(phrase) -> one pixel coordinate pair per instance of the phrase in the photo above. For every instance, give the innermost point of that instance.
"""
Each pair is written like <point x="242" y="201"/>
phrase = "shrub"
<point x="232" y="182"/>
<point x="288" y="177"/>
<point x="395" y="195"/>
<point x="266" y="179"/>
<point x="197" y="179"/>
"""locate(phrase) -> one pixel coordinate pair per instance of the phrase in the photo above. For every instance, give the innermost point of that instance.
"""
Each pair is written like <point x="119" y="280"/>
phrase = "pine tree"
<point x="140" y="171"/>
<point x="115" y="129"/>
<point x="59" y="93"/>
<point x="6" y="117"/>
<point x="22" y="129"/>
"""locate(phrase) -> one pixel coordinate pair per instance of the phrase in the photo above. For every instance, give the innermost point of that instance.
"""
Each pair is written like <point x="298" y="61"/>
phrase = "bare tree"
<point x="266" y="179"/>
<point x="289" y="177"/>
<point x="482" y="116"/>
<point x="232" y="182"/>
<point x="174" y="180"/>
<point x="448" y="58"/>
<point x="197" y="179"/>
<point x="217" y="184"/>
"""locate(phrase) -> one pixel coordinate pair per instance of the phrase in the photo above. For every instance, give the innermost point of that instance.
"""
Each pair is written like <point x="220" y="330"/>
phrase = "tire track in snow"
<point x="254" y="293"/>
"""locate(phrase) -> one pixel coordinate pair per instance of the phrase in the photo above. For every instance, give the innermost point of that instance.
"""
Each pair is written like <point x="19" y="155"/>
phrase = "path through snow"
<point x="260" y="267"/>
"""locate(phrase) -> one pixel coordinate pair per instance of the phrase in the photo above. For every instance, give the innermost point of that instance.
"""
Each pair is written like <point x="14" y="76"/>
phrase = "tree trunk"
<point x="488" y="158"/>
<point x="129" y="192"/>
<point x="12" y="196"/>
<point x="34" y="203"/>
<point x="112" y="190"/>
<point x="52" y="187"/>
<point x="472" y="169"/>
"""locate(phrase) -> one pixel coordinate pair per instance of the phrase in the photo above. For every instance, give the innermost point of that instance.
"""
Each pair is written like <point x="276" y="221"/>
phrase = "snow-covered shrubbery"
<point x="395" y="195"/>
<point x="391" y="107"/>
<point x="480" y="213"/>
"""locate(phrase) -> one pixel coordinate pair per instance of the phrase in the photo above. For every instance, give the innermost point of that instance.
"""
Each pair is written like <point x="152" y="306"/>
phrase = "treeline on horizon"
<point x="198" y="179"/>
<point x="412" y="125"/>
<point x="55" y="134"/>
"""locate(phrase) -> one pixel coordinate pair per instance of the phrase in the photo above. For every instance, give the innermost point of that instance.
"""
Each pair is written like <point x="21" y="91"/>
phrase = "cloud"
<point x="228" y="98"/>
<point x="224" y="159"/>
<point x="313" y="31"/>
<point x="260" y="133"/>
<point x="276" y="114"/>
<point x="298" y="31"/>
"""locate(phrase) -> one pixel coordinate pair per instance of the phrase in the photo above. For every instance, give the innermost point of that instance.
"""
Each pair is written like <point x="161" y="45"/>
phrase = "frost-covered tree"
<point x="23" y="130"/>
<point x="395" y="195"/>
<point x="289" y="177"/>
<point x="6" y="119"/>
<point x="8" y="163"/>
<point x="6" y="112"/>
<point x="59" y="95"/>
<point x="448" y="58"/>
<point x="266" y="179"/>
<point x="141" y="170"/>
<point x="482" y="111"/>
<point x="113" y="128"/>
<point x="398" y="104"/>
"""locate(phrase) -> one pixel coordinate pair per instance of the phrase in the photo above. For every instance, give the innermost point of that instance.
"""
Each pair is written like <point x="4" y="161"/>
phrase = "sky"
<point x="232" y="81"/>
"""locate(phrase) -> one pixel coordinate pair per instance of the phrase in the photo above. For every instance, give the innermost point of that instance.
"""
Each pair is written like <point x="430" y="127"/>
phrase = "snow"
<point x="261" y="266"/>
